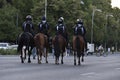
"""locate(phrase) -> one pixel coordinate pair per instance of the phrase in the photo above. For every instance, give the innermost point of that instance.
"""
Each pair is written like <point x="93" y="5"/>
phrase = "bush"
<point x="8" y="52"/>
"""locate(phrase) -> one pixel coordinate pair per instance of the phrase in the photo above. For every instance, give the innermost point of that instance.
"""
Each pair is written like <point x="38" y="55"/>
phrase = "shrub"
<point x="8" y="52"/>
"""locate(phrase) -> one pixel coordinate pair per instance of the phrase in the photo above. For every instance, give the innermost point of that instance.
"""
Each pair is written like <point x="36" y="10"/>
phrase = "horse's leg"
<point x="46" y="55"/>
<point x="22" y="61"/>
<point x="41" y="53"/>
<point x="29" y="54"/>
<point x="79" y="60"/>
<point x="24" y="52"/>
<point x="56" y="57"/>
<point x="58" y="60"/>
<point x="62" y="58"/>
<point x="82" y="56"/>
<point x="37" y="55"/>
<point x="74" y="58"/>
<point x="55" y="60"/>
<point x="38" y="58"/>
<point x="79" y="55"/>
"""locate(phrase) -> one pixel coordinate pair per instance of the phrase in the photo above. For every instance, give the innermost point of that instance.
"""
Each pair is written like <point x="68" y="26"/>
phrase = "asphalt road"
<point x="93" y="68"/>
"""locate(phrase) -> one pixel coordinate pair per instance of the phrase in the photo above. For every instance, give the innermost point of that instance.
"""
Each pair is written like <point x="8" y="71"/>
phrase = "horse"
<point x="41" y="43"/>
<point x="78" y="48"/>
<point x="59" y="44"/>
<point x="25" y="44"/>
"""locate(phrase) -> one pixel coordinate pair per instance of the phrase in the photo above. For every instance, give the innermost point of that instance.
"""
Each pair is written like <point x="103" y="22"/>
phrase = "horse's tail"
<point x="56" y="47"/>
<point x="78" y="46"/>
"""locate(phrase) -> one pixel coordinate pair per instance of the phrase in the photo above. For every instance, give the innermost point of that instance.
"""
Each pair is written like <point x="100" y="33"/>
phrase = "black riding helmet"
<point x="79" y="21"/>
<point x="60" y="20"/>
<point x="43" y="19"/>
<point x="28" y="17"/>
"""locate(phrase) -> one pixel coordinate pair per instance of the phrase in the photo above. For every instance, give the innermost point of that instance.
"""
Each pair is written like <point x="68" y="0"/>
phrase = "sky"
<point x="115" y="3"/>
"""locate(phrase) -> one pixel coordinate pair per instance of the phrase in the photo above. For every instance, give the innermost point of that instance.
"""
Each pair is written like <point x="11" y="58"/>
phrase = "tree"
<point x="8" y="29"/>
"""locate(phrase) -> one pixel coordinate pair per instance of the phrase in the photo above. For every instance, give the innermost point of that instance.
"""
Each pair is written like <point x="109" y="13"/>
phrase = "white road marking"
<point x="117" y="68"/>
<point x="88" y="74"/>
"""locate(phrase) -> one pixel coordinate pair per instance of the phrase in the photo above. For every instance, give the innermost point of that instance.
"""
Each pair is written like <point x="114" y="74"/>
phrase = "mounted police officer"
<point x="79" y="29"/>
<point x="44" y="27"/>
<point x="61" y="29"/>
<point x="28" y="25"/>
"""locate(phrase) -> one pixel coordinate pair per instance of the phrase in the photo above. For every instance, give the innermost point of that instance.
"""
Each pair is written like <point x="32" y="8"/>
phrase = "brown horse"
<point x="78" y="48"/>
<point x="59" y="44"/>
<point x="41" y="44"/>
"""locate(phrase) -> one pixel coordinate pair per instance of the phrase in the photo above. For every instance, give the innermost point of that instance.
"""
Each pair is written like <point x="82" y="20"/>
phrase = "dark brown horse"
<point x="41" y="44"/>
<point x="59" y="44"/>
<point x="25" y="44"/>
<point x="78" y="48"/>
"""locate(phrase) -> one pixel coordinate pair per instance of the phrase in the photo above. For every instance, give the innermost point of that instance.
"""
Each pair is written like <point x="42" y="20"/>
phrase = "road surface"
<point x="93" y="68"/>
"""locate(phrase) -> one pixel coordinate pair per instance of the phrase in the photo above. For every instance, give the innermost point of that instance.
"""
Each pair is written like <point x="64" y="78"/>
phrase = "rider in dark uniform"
<point x="61" y="29"/>
<point x="79" y="29"/>
<point x="28" y="25"/>
<point x="44" y="27"/>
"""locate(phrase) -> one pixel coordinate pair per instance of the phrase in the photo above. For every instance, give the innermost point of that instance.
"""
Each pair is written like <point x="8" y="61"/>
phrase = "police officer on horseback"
<point x="44" y="26"/>
<point x="28" y="25"/>
<point x="79" y="29"/>
<point x="61" y="29"/>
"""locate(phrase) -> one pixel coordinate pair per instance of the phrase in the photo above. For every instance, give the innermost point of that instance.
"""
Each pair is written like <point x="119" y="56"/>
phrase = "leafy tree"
<point x="8" y="29"/>
<point x="13" y="13"/>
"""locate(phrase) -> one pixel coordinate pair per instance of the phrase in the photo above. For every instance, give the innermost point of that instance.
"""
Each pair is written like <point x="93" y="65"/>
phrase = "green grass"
<point x="8" y="52"/>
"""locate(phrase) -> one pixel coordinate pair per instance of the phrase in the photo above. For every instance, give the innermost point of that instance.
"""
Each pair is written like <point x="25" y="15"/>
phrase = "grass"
<point x="8" y="52"/>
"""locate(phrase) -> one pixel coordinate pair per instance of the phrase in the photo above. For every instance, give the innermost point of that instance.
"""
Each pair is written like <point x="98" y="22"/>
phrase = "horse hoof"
<point x="62" y="62"/>
<point x="82" y="60"/>
<point x="22" y="61"/>
<point x="29" y="61"/>
<point x="46" y="61"/>
<point x="75" y="64"/>
<point x="79" y="64"/>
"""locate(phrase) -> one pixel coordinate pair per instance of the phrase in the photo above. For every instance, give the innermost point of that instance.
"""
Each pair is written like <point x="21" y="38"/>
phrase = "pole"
<point x="106" y="33"/>
<point x="92" y="26"/>
<point x="45" y="8"/>
<point x="93" y="13"/>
